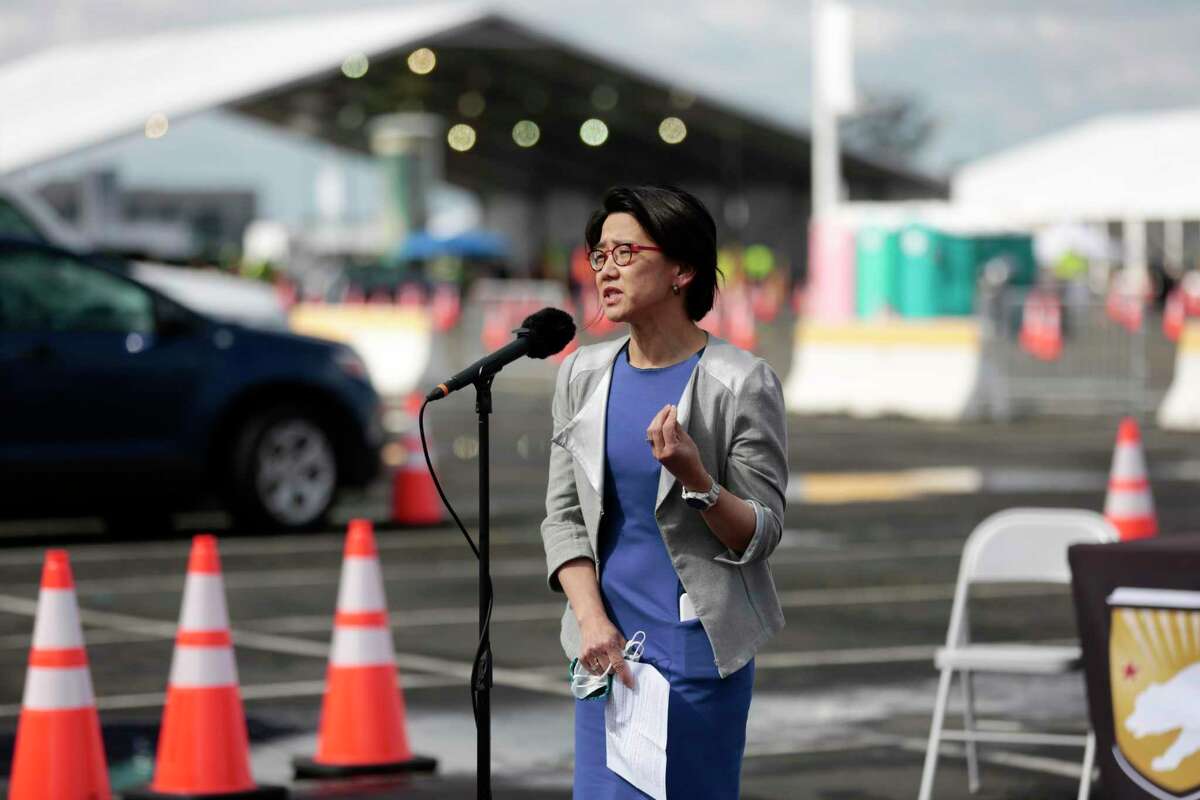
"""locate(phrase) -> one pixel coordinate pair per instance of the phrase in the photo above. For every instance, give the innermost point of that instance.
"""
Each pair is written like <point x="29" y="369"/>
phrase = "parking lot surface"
<point x="878" y="512"/>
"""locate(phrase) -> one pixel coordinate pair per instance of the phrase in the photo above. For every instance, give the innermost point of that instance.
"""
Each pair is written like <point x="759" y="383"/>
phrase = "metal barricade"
<point x="1103" y="367"/>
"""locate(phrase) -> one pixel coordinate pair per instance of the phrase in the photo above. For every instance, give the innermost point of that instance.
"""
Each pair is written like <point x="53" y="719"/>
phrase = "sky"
<point x="992" y="73"/>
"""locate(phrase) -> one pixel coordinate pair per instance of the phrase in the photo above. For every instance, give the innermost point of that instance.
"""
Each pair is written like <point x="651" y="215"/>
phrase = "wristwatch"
<point x="703" y="500"/>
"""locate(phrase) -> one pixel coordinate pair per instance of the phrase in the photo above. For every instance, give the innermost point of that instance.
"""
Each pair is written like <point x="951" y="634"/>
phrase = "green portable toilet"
<point x="920" y="255"/>
<point x="958" y="274"/>
<point x="1017" y="251"/>
<point x="877" y="257"/>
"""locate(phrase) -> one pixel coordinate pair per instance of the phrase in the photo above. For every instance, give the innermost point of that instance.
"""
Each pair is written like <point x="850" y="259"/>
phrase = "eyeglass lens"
<point x="622" y="254"/>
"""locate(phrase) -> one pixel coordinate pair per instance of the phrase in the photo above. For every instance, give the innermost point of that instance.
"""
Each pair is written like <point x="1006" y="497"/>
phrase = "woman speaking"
<point x="665" y="497"/>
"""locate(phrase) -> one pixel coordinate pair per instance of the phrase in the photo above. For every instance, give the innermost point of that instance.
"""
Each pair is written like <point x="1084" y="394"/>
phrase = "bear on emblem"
<point x="1164" y="707"/>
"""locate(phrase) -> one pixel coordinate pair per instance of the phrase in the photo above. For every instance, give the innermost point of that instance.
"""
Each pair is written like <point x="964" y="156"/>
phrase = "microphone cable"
<point x="477" y="663"/>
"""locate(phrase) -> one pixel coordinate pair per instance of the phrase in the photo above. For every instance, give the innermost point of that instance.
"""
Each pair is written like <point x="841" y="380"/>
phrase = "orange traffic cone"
<point x="59" y="754"/>
<point x="738" y="324"/>
<point x="415" y="499"/>
<point x="1174" y="314"/>
<point x="1041" y="325"/>
<point x="362" y="718"/>
<point x="445" y="308"/>
<point x="713" y="320"/>
<point x="1129" y="505"/>
<point x="495" y="331"/>
<point x="203" y="748"/>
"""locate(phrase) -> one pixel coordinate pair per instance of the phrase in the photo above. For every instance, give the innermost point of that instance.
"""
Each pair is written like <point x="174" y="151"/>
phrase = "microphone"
<point x="542" y="334"/>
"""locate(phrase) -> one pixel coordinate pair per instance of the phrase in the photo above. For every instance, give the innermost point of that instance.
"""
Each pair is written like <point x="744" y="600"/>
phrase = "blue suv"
<point x="117" y="400"/>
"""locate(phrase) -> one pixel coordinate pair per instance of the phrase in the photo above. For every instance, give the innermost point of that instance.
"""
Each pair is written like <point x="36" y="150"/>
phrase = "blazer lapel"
<point x="583" y="435"/>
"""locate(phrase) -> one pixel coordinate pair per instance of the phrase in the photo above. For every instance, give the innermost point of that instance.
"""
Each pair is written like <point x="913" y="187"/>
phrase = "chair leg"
<point x="935" y="735"/>
<point x="1089" y="758"/>
<point x="968" y="686"/>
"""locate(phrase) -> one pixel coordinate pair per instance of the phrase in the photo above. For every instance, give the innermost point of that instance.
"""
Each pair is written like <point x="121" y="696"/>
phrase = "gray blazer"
<point x="732" y="407"/>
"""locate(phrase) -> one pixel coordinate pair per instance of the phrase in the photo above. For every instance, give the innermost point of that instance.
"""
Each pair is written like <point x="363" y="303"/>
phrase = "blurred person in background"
<point x="665" y="496"/>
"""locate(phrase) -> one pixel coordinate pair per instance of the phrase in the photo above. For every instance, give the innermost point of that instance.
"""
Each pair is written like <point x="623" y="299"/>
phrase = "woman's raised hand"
<point x="675" y="450"/>
<point x="603" y="645"/>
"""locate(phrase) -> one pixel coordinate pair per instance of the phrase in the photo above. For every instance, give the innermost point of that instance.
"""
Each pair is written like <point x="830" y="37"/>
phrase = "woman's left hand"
<point x="675" y="450"/>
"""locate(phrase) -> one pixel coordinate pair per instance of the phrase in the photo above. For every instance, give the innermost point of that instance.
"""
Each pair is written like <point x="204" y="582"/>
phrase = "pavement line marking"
<point x="865" y="740"/>
<point x="1006" y="758"/>
<point x="264" y="691"/>
<point x="788" y="552"/>
<point x="534" y="612"/>
<point x="122" y="629"/>
<point x="449" y="569"/>
<point x="516" y="678"/>
<point x="829" y="488"/>
<point x="334" y="543"/>
<point x="849" y="656"/>
<point x="21" y="641"/>
<point x="420" y="618"/>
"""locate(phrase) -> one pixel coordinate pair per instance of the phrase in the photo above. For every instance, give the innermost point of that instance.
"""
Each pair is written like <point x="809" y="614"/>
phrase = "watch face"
<point x="695" y="502"/>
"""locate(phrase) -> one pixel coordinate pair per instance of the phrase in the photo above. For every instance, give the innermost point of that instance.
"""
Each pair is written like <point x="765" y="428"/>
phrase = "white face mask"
<point x="586" y="686"/>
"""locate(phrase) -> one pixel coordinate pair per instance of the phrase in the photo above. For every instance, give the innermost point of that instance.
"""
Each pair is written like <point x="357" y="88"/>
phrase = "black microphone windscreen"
<point x="550" y="330"/>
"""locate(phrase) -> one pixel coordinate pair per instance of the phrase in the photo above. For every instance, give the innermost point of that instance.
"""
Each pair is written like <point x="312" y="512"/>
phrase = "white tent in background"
<point x="1142" y="166"/>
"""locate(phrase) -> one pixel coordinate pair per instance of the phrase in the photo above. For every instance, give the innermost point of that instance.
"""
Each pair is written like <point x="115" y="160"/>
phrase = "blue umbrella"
<point x="421" y="246"/>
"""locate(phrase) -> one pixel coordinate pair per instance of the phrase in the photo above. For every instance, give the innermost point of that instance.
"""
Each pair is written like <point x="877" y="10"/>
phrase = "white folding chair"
<point x="1016" y="546"/>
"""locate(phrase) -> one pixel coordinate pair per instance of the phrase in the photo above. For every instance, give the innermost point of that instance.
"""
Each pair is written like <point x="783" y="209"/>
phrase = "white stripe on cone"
<point x="361" y="585"/>
<point x="203" y="603"/>
<point x="361" y="647"/>
<point x="57" y="621"/>
<point x="1129" y="503"/>
<point x="58" y="689"/>
<point x="1129" y="463"/>
<point x="202" y="667"/>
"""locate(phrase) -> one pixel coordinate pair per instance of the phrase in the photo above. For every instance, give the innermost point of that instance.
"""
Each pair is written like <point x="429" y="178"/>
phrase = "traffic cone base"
<point x="1135" y="528"/>
<point x="219" y="766"/>
<point x="310" y="768"/>
<point x="358" y="729"/>
<point x="415" y="499"/>
<point x="51" y="746"/>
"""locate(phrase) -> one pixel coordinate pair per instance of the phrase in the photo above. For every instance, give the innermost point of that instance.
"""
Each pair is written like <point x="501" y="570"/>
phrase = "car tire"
<point x="284" y="471"/>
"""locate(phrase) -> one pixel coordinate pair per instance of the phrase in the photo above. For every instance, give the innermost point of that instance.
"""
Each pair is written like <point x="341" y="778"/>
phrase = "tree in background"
<point x="892" y="126"/>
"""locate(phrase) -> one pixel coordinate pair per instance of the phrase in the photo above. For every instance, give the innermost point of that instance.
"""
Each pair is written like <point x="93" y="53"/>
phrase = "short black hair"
<point x="678" y="223"/>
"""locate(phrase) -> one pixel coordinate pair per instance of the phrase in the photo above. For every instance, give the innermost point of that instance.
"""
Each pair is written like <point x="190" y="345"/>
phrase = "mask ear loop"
<point x="635" y="646"/>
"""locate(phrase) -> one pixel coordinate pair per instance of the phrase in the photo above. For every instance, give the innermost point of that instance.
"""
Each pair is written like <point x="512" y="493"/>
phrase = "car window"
<point x="14" y="223"/>
<point x="53" y="292"/>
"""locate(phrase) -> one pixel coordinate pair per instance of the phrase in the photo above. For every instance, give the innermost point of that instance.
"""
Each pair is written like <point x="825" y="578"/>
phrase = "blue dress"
<point x="706" y="719"/>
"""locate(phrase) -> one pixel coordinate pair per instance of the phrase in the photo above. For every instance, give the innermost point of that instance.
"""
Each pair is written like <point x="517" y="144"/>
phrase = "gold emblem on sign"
<point x="1154" y="674"/>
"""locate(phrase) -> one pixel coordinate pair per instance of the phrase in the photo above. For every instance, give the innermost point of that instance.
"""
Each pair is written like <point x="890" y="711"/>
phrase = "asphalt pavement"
<point x="877" y="516"/>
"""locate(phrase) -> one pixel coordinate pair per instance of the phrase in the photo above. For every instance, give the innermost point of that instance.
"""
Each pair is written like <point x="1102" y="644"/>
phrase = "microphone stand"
<point x="483" y="681"/>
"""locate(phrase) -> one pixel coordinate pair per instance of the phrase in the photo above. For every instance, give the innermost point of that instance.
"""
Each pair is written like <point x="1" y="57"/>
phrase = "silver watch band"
<point x="709" y="498"/>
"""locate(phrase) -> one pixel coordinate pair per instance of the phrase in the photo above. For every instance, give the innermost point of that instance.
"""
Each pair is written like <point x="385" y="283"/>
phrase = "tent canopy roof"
<point x="1127" y="166"/>
<point x="289" y="71"/>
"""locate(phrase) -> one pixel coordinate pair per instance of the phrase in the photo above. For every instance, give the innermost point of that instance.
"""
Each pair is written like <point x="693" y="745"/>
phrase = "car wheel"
<point x="285" y="471"/>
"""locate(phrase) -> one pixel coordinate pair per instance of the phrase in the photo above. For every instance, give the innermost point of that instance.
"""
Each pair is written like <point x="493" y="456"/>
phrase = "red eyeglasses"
<point x="622" y="254"/>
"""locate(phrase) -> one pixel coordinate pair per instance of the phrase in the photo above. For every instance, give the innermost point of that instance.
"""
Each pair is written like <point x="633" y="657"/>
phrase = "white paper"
<point x="686" y="609"/>
<point x="635" y="730"/>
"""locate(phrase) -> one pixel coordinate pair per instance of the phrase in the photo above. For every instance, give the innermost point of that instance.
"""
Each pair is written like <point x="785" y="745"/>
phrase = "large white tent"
<point x="1137" y="166"/>
<point x="65" y="98"/>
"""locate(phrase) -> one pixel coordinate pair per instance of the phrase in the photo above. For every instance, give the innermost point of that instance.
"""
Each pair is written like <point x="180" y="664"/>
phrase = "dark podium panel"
<point x="1138" y="607"/>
